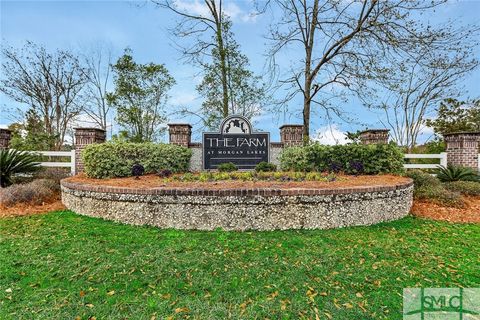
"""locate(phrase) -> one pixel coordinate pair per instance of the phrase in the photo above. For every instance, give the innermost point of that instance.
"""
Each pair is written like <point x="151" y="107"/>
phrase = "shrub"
<point x="254" y="176"/>
<point x="455" y="173"/>
<point x="227" y="167"/>
<point x="13" y="162"/>
<point x="115" y="159"/>
<point x="470" y="188"/>
<point x="295" y="159"/>
<point x="35" y="192"/>
<point x="422" y="179"/>
<point x="55" y="174"/>
<point x="428" y="187"/>
<point x="265" y="167"/>
<point x="350" y="158"/>
<point x="439" y="195"/>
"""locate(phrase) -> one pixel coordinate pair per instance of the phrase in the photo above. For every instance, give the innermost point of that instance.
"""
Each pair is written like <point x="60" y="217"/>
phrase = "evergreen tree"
<point x="246" y="92"/>
<point x="140" y="97"/>
<point x="31" y="134"/>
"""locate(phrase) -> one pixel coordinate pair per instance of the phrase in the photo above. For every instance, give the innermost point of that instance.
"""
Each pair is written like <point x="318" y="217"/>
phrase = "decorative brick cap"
<point x="264" y="191"/>
<point x="96" y="134"/>
<point x="375" y="131"/>
<point x="460" y="137"/>
<point x="462" y="133"/>
<point x="89" y="129"/>
<point x="179" y="125"/>
<point x="291" y="125"/>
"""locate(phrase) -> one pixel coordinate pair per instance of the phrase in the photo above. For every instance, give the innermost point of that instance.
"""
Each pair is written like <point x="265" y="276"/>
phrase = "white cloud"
<point x="192" y="7"/>
<point x="426" y="130"/>
<point x="330" y="135"/>
<point x="183" y="98"/>
<point x="83" y="121"/>
<point x="231" y="9"/>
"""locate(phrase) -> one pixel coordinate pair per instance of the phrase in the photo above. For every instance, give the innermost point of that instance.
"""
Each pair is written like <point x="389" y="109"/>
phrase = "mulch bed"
<point x="153" y="181"/>
<point x="469" y="214"/>
<point x="23" y="209"/>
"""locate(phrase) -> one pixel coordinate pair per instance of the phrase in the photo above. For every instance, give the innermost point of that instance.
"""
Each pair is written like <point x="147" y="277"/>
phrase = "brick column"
<point x="84" y="137"/>
<point x="291" y="135"/>
<point x="374" y="136"/>
<point x="463" y="149"/>
<point x="180" y="134"/>
<point x="5" y="136"/>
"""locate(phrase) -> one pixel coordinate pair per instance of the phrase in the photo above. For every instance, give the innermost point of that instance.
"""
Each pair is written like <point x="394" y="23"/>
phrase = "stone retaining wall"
<point x="241" y="209"/>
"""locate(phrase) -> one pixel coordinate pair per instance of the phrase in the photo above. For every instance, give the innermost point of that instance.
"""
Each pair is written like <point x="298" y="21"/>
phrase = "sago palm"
<point x="13" y="162"/>
<point x="456" y="173"/>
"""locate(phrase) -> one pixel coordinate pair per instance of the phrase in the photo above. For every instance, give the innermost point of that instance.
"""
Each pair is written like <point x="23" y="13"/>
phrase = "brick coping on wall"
<point x="234" y="192"/>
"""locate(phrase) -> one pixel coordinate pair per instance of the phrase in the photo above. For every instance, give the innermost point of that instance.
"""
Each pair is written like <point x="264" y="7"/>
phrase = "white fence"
<point x="70" y="164"/>
<point x="441" y="156"/>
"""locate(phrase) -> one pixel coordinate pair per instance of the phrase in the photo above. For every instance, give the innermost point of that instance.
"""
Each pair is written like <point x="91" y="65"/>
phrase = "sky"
<point x="79" y="25"/>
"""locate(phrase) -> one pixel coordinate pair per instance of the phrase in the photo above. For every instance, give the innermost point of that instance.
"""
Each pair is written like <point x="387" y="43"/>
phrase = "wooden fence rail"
<point x="70" y="164"/>
<point x="441" y="156"/>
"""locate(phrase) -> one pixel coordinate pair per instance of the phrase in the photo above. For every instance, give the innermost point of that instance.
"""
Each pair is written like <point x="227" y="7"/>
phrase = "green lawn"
<point x="65" y="266"/>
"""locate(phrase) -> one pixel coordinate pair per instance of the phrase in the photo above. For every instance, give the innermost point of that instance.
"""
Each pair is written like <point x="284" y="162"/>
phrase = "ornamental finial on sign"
<point x="236" y="124"/>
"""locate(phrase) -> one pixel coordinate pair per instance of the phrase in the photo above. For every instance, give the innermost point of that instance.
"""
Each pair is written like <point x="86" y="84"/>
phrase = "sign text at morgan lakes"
<point x="236" y="143"/>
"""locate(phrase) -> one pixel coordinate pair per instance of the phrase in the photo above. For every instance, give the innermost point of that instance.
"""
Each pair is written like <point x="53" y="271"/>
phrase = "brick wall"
<point x="180" y="134"/>
<point x="374" y="136"/>
<point x="291" y="135"/>
<point x="463" y="149"/>
<point x="5" y="136"/>
<point x="84" y="137"/>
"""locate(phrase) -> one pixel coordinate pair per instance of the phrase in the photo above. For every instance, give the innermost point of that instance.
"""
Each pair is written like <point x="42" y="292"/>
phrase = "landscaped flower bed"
<point x="213" y="180"/>
<point x="266" y="203"/>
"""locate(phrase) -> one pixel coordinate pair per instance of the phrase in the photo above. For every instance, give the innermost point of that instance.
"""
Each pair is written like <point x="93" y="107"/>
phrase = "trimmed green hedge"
<point x="428" y="187"/>
<point x="470" y="188"/>
<point x="115" y="159"/>
<point x="350" y="158"/>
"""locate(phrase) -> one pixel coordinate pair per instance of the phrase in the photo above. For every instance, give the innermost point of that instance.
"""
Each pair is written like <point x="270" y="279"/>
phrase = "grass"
<point x="64" y="266"/>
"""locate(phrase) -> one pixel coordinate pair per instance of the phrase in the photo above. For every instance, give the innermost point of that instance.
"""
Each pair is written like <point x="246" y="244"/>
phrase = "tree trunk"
<point x="223" y="67"/>
<point x="309" y="77"/>
<point x="306" y="112"/>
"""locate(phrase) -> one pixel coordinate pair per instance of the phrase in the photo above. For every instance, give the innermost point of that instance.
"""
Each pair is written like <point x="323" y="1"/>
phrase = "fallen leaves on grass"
<point x="182" y="310"/>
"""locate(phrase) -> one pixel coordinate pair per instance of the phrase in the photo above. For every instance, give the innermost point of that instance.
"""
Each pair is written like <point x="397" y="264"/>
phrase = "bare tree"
<point x="97" y="63"/>
<point x="417" y="85"/>
<point x="344" y="44"/>
<point x="50" y="83"/>
<point x="202" y="28"/>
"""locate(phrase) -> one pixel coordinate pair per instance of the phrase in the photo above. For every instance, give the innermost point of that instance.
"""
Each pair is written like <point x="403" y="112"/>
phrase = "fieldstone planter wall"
<point x="241" y="209"/>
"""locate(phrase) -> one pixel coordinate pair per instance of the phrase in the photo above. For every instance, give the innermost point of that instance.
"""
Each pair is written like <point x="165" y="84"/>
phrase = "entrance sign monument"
<point x="237" y="143"/>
